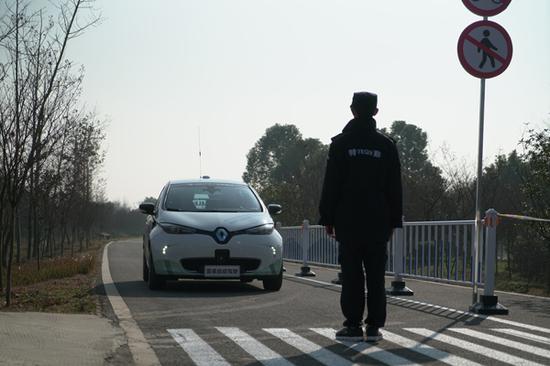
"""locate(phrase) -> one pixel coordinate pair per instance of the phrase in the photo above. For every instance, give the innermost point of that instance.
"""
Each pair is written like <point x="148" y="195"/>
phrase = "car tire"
<point x="274" y="283"/>
<point x="155" y="281"/>
<point x="145" y="270"/>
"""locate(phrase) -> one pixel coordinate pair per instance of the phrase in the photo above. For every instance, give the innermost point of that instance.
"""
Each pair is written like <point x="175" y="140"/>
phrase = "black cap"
<point x="364" y="103"/>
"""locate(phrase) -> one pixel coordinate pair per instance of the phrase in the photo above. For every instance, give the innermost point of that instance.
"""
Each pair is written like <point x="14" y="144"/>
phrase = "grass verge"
<point x="62" y="285"/>
<point x="520" y="285"/>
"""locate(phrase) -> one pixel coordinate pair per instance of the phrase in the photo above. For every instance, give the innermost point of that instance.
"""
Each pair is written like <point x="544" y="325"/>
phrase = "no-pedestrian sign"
<point x="484" y="49"/>
<point x="486" y="8"/>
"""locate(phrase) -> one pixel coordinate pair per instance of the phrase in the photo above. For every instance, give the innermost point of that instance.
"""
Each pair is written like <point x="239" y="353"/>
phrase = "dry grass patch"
<point x="63" y="285"/>
<point x="28" y="273"/>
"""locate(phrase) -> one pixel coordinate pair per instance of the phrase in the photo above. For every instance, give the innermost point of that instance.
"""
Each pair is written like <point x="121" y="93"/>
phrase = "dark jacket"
<point x="362" y="194"/>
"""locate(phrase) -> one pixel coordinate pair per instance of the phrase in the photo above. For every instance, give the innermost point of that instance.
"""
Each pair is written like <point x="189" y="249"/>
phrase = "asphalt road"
<point x="228" y="322"/>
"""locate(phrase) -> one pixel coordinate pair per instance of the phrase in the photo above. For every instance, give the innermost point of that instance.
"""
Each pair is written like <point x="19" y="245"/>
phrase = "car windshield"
<point x="211" y="197"/>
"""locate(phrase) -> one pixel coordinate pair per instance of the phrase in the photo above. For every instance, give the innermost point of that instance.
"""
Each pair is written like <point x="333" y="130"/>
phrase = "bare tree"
<point x="39" y="89"/>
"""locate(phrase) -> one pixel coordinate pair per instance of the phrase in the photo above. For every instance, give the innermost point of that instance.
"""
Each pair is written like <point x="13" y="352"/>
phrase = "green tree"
<point x="537" y="184"/>
<point x="287" y="169"/>
<point x="264" y="160"/>
<point x="423" y="184"/>
<point x="536" y="188"/>
<point x="502" y="189"/>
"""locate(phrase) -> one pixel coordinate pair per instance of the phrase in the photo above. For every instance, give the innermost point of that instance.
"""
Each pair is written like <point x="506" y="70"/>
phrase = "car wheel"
<point x="274" y="283"/>
<point x="155" y="281"/>
<point x="145" y="270"/>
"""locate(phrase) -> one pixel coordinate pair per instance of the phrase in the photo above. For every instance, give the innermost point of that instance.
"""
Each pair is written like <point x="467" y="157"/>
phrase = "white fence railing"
<point x="429" y="250"/>
<point x="436" y="250"/>
<point x="440" y="250"/>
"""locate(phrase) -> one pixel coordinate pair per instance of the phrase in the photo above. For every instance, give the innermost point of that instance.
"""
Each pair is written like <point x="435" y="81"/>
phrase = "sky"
<point x="158" y="71"/>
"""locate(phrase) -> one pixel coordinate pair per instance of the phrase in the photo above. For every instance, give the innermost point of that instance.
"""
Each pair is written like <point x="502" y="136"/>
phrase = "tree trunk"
<point x="4" y="248"/>
<point x="80" y="241"/>
<point x="64" y="236"/>
<point x="50" y="239"/>
<point x="1" y="261"/>
<point x="18" y="237"/>
<point x="36" y="231"/>
<point x="548" y="277"/>
<point x="29" y="232"/>
<point x="509" y="258"/>
<point x="72" y="243"/>
<point x="11" y="228"/>
<point x="37" y="243"/>
<point x="87" y="238"/>
<point x="2" y="237"/>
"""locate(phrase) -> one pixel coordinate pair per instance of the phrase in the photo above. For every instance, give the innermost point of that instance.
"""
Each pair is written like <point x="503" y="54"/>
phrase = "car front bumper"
<point x="184" y="256"/>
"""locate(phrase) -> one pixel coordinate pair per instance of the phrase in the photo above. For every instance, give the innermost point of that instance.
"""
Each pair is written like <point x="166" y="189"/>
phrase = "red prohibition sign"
<point x="484" y="49"/>
<point x="486" y="8"/>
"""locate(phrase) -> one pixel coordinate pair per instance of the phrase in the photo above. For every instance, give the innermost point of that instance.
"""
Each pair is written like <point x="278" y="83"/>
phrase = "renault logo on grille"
<point x="222" y="235"/>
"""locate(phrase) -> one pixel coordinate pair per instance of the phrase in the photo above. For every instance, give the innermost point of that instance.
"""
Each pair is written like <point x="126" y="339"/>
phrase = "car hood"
<point x="210" y="221"/>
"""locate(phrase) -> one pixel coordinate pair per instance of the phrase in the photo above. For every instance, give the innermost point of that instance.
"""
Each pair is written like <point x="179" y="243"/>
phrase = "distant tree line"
<point x="286" y="168"/>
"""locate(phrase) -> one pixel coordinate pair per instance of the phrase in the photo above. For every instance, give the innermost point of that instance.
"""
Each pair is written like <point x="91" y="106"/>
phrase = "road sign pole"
<point x="480" y="36"/>
<point x="486" y="304"/>
<point x="478" y="226"/>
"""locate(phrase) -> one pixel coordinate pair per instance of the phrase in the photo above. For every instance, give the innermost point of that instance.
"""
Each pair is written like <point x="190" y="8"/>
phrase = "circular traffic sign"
<point x="484" y="49"/>
<point x="486" y="8"/>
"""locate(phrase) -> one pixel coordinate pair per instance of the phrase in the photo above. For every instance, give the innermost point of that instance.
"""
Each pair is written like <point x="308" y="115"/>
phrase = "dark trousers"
<point x="372" y="257"/>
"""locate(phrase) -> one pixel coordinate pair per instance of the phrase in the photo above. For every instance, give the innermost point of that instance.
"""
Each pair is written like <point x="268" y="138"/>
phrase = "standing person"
<point x="361" y="204"/>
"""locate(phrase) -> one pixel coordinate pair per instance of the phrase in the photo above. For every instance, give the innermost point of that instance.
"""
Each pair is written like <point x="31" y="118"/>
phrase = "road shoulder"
<point x="141" y="351"/>
<point x="57" y="339"/>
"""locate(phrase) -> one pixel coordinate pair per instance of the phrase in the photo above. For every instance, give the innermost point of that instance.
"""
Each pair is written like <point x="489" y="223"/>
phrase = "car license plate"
<point x="222" y="271"/>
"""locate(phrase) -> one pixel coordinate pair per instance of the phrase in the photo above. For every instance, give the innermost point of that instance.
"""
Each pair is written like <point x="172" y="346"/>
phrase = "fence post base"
<point x="338" y="280"/>
<point x="488" y="305"/>
<point x="398" y="288"/>
<point x="305" y="271"/>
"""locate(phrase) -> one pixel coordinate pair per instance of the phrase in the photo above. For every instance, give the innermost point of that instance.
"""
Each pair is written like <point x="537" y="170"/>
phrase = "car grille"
<point x="197" y="264"/>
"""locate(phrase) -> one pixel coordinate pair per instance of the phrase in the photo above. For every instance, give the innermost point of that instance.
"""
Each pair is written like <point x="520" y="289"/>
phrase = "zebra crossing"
<point x="458" y="346"/>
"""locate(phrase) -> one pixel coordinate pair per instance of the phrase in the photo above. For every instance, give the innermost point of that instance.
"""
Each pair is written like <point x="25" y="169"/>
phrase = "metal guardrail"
<point x="441" y="250"/>
<point x="428" y="250"/>
<point x="322" y="249"/>
<point x="433" y="250"/>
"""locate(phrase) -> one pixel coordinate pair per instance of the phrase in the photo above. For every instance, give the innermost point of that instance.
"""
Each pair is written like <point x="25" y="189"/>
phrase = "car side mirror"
<point x="147" y="208"/>
<point x="274" y="209"/>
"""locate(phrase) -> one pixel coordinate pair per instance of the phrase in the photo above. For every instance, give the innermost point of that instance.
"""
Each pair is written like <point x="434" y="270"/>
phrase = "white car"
<point x="211" y="229"/>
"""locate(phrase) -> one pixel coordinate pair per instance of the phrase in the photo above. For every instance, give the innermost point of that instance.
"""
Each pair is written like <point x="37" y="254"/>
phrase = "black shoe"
<point x="350" y="334"/>
<point x="372" y="334"/>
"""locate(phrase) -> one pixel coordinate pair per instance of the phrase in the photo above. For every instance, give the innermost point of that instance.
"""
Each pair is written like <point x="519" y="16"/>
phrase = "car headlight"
<point x="264" y="229"/>
<point x="176" y="229"/>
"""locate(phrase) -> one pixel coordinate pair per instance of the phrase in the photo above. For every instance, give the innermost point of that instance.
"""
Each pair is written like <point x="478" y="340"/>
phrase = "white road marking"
<point x="141" y="351"/>
<point x="366" y="349"/>
<point x="429" y="351"/>
<point x="473" y="315"/>
<point x="256" y="349"/>
<point x="503" y="341"/>
<point x="520" y="334"/>
<point x="197" y="349"/>
<point x="311" y="349"/>
<point x="443" y="308"/>
<point x="472" y="347"/>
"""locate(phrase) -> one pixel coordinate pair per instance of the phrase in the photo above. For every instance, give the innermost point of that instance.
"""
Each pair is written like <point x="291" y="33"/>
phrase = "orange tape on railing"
<point x="488" y="221"/>
<point x="523" y="217"/>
